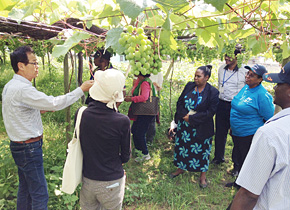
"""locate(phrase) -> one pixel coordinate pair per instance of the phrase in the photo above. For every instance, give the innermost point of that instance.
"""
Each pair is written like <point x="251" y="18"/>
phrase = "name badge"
<point x="221" y="89"/>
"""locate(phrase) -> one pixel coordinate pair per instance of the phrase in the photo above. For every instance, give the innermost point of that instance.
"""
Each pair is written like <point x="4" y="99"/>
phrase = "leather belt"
<point x="31" y="140"/>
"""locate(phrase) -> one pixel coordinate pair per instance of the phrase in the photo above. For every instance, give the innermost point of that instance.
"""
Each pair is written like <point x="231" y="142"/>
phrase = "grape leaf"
<point x="172" y="4"/>
<point x="112" y="40"/>
<point x="286" y="49"/>
<point x="72" y="41"/>
<point x="132" y="8"/>
<point x="218" y="4"/>
<point x="167" y="38"/>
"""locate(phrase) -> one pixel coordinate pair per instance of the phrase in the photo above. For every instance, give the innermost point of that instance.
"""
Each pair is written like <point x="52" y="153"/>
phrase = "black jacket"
<point x="203" y="119"/>
<point x="105" y="141"/>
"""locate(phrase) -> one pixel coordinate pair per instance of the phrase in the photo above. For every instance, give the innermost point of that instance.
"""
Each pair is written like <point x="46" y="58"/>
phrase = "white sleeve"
<point x="31" y="97"/>
<point x="259" y="163"/>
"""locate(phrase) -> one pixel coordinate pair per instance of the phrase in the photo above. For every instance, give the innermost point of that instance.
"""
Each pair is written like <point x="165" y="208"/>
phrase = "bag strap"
<point x="78" y="122"/>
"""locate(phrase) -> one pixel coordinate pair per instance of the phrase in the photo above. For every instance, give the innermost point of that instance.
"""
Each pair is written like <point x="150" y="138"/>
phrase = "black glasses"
<point x="35" y="63"/>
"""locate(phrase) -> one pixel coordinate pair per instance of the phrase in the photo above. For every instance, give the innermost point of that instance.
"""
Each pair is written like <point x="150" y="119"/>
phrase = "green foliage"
<point x="132" y="8"/>
<point x="219" y="5"/>
<point x="73" y="40"/>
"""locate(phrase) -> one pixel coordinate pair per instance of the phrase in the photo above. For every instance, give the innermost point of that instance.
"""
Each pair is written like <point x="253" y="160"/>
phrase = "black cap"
<point x="257" y="69"/>
<point x="282" y="77"/>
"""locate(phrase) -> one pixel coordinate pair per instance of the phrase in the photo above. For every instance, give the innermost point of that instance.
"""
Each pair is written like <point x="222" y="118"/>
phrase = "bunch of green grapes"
<point x="139" y="51"/>
<point x="230" y="49"/>
<point x="181" y="51"/>
<point x="209" y="54"/>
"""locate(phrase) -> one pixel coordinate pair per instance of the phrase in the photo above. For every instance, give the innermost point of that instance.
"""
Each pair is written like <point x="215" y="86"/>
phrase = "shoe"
<point x="144" y="157"/>
<point x="172" y="176"/>
<point x="202" y="186"/>
<point x="232" y="184"/>
<point x="234" y="173"/>
<point x="217" y="162"/>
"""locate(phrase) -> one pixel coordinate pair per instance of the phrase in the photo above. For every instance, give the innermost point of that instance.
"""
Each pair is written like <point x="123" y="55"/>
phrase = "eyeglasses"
<point x="35" y="63"/>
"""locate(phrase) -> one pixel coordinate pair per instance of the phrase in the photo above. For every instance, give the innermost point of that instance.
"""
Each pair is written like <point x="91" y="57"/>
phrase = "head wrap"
<point x="108" y="87"/>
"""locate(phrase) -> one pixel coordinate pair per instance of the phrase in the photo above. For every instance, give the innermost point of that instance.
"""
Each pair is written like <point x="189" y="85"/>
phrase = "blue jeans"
<point x="32" y="190"/>
<point x="139" y="130"/>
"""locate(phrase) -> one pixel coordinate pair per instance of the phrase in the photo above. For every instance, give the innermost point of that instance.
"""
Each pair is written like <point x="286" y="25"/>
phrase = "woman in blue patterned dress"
<point x="195" y="109"/>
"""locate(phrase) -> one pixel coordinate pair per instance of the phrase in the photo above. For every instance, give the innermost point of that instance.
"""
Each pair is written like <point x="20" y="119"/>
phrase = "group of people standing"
<point x="241" y="104"/>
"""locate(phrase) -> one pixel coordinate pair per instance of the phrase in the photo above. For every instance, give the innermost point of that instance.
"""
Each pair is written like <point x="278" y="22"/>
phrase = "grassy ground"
<point x="148" y="185"/>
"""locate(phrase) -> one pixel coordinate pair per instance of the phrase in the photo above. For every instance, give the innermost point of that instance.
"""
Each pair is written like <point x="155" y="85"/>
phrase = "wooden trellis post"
<point x="66" y="90"/>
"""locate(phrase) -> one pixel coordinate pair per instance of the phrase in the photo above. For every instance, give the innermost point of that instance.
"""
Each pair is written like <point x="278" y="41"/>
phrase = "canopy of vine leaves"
<point x="176" y="28"/>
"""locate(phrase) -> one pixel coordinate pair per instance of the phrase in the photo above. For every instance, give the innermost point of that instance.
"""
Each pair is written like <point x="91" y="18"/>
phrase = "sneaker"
<point x="144" y="157"/>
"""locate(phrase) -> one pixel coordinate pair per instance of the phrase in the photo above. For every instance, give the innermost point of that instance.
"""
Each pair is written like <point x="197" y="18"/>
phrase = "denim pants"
<point x="139" y="130"/>
<point x="32" y="190"/>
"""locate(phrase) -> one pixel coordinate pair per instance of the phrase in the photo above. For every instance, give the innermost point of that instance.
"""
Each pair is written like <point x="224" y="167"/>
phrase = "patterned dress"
<point x="191" y="153"/>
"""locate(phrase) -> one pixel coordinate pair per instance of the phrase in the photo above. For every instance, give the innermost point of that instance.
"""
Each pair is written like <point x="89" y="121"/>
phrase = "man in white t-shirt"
<point x="265" y="174"/>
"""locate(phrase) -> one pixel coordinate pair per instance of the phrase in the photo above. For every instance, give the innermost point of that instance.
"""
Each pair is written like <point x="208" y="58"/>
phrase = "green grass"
<point x="148" y="185"/>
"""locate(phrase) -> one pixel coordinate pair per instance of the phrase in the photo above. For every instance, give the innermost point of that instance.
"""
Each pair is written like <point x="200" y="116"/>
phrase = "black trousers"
<point x="242" y="146"/>
<point x="222" y="123"/>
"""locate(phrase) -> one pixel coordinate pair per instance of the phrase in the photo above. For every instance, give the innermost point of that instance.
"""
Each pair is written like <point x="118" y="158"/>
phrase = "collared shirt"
<point x="21" y="105"/>
<point x="251" y="107"/>
<point x="266" y="170"/>
<point x="230" y="82"/>
<point x="105" y="140"/>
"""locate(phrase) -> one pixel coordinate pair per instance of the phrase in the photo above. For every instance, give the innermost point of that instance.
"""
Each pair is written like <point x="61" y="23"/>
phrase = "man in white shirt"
<point x="21" y="107"/>
<point x="231" y="79"/>
<point x="265" y="174"/>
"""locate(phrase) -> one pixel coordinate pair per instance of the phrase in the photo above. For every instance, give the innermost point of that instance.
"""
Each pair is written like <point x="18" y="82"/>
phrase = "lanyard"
<point x="227" y="78"/>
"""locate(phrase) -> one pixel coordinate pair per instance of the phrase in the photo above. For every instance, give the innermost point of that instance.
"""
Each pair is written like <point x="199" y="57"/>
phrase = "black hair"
<point x="20" y="55"/>
<point x="146" y="75"/>
<point x="103" y="54"/>
<point x="206" y="70"/>
<point x="237" y="51"/>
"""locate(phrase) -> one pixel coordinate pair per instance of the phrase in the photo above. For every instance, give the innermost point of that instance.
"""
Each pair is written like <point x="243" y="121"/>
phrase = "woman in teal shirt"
<point x="251" y="107"/>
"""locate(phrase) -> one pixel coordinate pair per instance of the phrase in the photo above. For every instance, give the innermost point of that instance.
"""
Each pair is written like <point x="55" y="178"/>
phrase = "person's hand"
<point x="186" y="117"/>
<point x="170" y="131"/>
<point x="128" y="98"/>
<point x="87" y="85"/>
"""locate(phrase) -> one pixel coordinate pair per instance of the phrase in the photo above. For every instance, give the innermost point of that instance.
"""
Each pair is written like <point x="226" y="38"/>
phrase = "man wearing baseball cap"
<point x="265" y="175"/>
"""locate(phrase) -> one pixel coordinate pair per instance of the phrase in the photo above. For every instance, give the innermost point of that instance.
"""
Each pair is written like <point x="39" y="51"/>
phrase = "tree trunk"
<point x="169" y="69"/>
<point x="66" y="90"/>
<point x="80" y="71"/>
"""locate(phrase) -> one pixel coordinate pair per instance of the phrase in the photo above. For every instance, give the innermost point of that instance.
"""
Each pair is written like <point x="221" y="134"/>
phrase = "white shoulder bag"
<point x="73" y="167"/>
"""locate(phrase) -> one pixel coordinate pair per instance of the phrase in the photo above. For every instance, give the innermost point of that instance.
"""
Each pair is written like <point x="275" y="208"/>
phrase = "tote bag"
<point x="149" y="107"/>
<point x="73" y="167"/>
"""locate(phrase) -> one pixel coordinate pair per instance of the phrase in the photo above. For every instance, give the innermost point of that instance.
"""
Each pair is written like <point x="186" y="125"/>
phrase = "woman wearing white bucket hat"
<point x="105" y="142"/>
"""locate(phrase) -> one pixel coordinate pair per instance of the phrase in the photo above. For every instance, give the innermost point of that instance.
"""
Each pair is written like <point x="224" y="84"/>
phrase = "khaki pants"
<point x="102" y="195"/>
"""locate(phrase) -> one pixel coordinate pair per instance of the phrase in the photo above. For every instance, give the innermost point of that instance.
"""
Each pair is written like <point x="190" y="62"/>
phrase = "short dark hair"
<point x="146" y="75"/>
<point x="206" y="70"/>
<point x="103" y="54"/>
<point x="237" y="51"/>
<point x="20" y="55"/>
